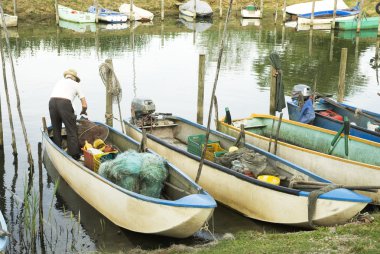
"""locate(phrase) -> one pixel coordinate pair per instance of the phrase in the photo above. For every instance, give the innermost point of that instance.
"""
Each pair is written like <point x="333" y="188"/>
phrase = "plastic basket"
<point x="196" y="142"/>
<point x="214" y="150"/>
<point x="92" y="161"/>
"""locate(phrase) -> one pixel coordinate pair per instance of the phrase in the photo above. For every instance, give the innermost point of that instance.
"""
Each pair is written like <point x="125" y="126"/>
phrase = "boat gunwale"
<point x="172" y="203"/>
<point x="369" y="142"/>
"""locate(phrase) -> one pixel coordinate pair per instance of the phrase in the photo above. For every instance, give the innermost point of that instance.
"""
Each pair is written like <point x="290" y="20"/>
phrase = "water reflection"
<point x="77" y="27"/>
<point x="198" y="25"/>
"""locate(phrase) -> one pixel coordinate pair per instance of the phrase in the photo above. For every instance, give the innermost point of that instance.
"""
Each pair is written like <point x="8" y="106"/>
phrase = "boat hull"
<point x="250" y="14"/>
<point x="68" y="14"/>
<point x="10" y="20"/>
<point x="337" y="169"/>
<point x="238" y="191"/>
<point x="327" y="20"/>
<point x="365" y="23"/>
<point x="132" y="212"/>
<point x="303" y="8"/>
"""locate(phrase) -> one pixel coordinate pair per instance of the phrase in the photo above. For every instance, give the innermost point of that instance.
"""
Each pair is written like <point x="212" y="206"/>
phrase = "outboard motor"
<point x="142" y="110"/>
<point x="301" y="89"/>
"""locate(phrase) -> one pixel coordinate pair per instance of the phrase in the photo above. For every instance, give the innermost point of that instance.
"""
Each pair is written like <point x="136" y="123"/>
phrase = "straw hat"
<point x="72" y="73"/>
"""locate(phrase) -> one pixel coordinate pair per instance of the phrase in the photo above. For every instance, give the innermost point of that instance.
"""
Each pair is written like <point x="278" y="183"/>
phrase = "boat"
<point x="196" y="8"/>
<point x="4" y="234"/>
<point x="108" y="16"/>
<point x="10" y="20"/>
<point x="329" y="114"/>
<point x="77" y="27"/>
<point x="173" y="138"/>
<point x="250" y="11"/>
<point x="183" y="212"/>
<point x="308" y="146"/>
<point x="326" y="17"/>
<point x="365" y="23"/>
<point x="69" y="14"/>
<point x="324" y="5"/>
<point x="139" y="14"/>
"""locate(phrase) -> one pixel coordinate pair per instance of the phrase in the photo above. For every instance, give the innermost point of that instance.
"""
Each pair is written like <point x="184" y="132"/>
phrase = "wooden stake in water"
<point x="311" y="41"/>
<point x="14" y="8"/>
<point x="275" y="13"/>
<point x="360" y="16"/>
<point x="56" y="12"/>
<point x="96" y="11"/>
<point x="109" y="111"/>
<point x="220" y="8"/>
<point x="334" y="14"/>
<point x="331" y="46"/>
<point x="201" y="84"/>
<point x="284" y="12"/>
<point x="162" y="10"/>
<point x="195" y="10"/>
<point x="221" y="48"/>
<point x="261" y="8"/>
<point x="342" y="74"/>
<point x="312" y="15"/>
<point x="131" y="16"/>
<point x="272" y="93"/>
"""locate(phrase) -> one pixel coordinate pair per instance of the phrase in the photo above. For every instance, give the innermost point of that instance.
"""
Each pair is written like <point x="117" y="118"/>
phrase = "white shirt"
<point x="67" y="89"/>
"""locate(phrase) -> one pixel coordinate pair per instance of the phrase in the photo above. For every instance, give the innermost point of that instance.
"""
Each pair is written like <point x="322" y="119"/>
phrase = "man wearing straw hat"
<point x="62" y="111"/>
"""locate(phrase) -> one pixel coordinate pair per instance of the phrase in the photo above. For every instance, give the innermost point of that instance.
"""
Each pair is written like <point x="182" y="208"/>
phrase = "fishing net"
<point x="90" y="131"/>
<point x="152" y="176"/>
<point x="142" y="173"/>
<point x="124" y="170"/>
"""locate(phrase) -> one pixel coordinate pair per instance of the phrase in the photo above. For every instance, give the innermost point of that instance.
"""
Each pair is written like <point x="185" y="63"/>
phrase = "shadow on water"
<point x="109" y="237"/>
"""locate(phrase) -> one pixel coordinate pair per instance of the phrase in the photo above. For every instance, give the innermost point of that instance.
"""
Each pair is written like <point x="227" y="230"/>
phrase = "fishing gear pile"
<point x="90" y="131"/>
<point x="142" y="173"/>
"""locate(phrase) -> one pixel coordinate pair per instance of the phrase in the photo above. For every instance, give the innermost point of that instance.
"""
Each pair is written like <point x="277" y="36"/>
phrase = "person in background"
<point x="61" y="111"/>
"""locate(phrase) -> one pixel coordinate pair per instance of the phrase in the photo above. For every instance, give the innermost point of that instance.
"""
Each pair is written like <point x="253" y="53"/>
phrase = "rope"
<point x="312" y="201"/>
<point x="280" y="97"/>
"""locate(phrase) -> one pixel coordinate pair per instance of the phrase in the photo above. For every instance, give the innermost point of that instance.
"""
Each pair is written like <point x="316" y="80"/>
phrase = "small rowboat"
<point x="69" y="14"/>
<point x="323" y="5"/>
<point x="308" y="146"/>
<point x="250" y="12"/>
<point x="326" y="17"/>
<point x="10" y="20"/>
<point x="108" y="16"/>
<point x="201" y="10"/>
<point x="365" y="23"/>
<point x="138" y="14"/>
<point x="169" y="136"/>
<point x="183" y="212"/>
<point x="363" y="123"/>
<point x="4" y="234"/>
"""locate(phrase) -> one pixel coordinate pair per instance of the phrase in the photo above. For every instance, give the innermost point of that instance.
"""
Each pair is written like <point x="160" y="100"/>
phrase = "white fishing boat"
<point x="326" y="17"/>
<point x="108" y="16"/>
<point x="69" y="14"/>
<point x="138" y="14"/>
<point x="196" y="8"/>
<point x="182" y="210"/>
<point x="10" y="20"/>
<point x="250" y="11"/>
<point x="323" y="5"/>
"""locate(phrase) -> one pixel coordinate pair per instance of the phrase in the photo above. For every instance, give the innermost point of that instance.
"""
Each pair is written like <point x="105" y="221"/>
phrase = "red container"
<point x="331" y="114"/>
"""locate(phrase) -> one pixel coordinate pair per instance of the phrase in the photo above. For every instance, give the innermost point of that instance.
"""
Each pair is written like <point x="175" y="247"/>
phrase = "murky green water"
<point x="158" y="61"/>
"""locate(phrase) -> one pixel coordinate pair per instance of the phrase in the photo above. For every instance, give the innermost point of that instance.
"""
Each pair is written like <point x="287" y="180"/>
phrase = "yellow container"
<point x="99" y="144"/>
<point x="269" y="179"/>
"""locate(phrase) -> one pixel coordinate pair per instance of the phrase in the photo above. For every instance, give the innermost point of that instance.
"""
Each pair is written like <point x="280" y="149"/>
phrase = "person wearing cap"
<point x="61" y="111"/>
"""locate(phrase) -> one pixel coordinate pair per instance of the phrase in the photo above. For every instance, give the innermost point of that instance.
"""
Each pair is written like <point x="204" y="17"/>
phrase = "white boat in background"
<point x="323" y="5"/>
<point x="109" y="16"/>
<point x="201" y="10"/>
<point x="69" y="14"/>
<point x="139" y="14"/>
<point x="10" y="20"/>
<point x="306" y="20"/>
<point x="250" y="11"/>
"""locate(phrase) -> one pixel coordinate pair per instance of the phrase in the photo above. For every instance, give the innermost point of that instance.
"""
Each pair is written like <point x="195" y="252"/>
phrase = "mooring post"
<point x="14" y="8"/>
<point x="272" y="93"/>
<point x="96" y="11"/>
<point x="109" y="112"/>
<point x="131" y="16"/>
<point x="162" y="10"/>
<point x="1" y="129"/>
<point x="310" y="41"/>
<point x="261" y="8"/>
<point x="40" y="188"/>
<point x="334" y="14"/>
<point x="220" y="8"/>
<point x="312" y="15"/>
<point x="284" y="12"/>
<point x="342" y="74"/>
<point x="360" y="16"/>
<point x="275" y="13"/>
<point x="331" y="46"/>
<point x="56" y="12"/>
<point x="201" y="85"/>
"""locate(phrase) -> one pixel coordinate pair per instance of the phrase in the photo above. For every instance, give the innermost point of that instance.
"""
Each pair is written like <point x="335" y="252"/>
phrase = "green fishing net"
<point x="152" y="175"/>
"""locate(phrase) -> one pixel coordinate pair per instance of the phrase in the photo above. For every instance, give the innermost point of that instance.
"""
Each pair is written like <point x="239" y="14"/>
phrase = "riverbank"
<point x="355" y="237"/>
<point x="37" y="10"/>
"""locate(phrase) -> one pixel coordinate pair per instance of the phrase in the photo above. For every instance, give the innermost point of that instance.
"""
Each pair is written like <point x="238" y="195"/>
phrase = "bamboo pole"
<point x="14" y="146"/>
<point x="109" y="111"/>
<point x="216" y="109"/>
<point x="283" y="36"/>
<point x="261" y="8"/>
<point x="331" y="46"/>
<point x="162" y="10"/>
<point x="221" y="48"/>
<point x="195" y="11"/>
<point x="311" y="41"/>
<point x="334" y="14"/>
<point x="360" y="16"/>
<point x="56" y="12"/>
<point x="201" y="85"/>
<point x="275" y="13"/>
<point x="14" y="7"/>
<point x="312" y="15"/>
<point x="30" y="157"/>
<point x="284" y="12"/>
<point x="220" y="8"/>
<point x="131" y="14"/>
<point x="272" y="92"/>
<point x="342" y="74"/>
<point x="40" y="190"/>
<point x="96" y="11"/>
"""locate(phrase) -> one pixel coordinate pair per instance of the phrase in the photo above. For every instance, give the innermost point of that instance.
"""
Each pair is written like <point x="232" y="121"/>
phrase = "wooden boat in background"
<point x="365" y="23"/>
<point x="363" y="123"/>
<point x="250" y="11"/>
<point x="168" y="136"/>
<point x="10" y="20"/>
<point x="139" y="14"/>
<point x="69" y="14"/>
<point x="184" y="211"/>
<point x="109" y="16"/>
<point x="201" y="10"/>
<point x="308" y="147"/>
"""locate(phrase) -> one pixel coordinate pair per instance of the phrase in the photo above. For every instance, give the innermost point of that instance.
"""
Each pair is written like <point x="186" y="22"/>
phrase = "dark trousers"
<point x="61" y="111"/>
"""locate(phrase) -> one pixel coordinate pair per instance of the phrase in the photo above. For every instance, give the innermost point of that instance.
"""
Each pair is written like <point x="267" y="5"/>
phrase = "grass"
<point x="44" y="9"/>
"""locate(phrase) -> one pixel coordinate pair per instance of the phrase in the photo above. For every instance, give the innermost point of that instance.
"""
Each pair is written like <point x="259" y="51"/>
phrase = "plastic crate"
<point x="92" y="161"/>
<point x="214" y="150"/>
<point x="195" y="143"/>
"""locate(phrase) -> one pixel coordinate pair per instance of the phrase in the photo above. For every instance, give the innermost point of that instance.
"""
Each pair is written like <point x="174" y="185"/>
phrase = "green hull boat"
<point x="365" y="23"/>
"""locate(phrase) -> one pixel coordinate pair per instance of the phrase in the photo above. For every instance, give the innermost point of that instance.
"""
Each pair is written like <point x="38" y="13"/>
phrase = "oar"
<point x="346" y="125"/>
<point x="270" y="136"/>
<point x="277" y="134"/>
